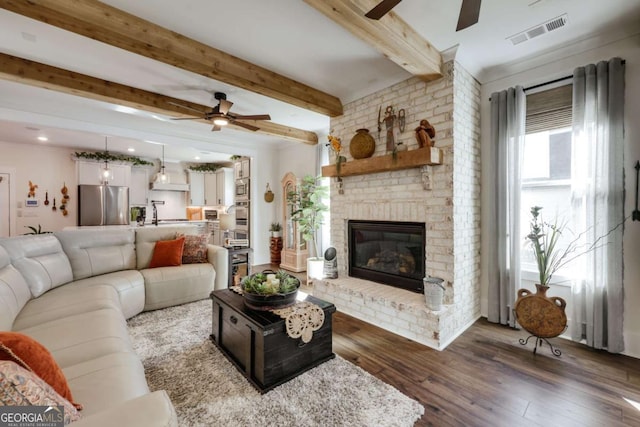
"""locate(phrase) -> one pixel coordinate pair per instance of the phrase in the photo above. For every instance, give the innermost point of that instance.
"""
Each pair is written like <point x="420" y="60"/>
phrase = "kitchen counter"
<point x="161" y="223"/>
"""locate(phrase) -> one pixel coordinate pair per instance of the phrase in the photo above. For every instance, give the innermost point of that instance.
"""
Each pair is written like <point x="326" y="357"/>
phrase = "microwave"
<point x="242" y="189"/>
<point x="242" y="216"/>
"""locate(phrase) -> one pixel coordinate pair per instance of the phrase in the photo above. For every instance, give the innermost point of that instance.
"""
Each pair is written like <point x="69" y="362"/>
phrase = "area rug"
<point x="207" y="390"/>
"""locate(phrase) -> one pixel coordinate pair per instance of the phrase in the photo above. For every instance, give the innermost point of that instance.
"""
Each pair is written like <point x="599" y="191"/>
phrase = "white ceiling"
<point x="285" y="36"/>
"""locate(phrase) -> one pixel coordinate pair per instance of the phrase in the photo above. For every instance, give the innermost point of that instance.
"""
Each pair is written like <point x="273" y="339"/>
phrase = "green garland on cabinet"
<point x="102" y="156"/>
<point x="205" y="167"/>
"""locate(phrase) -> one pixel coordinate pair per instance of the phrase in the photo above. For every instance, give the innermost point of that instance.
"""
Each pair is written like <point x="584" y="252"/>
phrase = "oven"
<point x="242" y="216"/>
<point x="242" y="189"/>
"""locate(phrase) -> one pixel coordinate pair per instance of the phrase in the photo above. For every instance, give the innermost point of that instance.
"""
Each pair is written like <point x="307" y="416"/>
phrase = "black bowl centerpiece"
<point x="269" y="290"/>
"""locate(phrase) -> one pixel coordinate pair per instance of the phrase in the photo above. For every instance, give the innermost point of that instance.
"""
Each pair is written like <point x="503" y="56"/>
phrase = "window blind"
<point x="549" y="109"/>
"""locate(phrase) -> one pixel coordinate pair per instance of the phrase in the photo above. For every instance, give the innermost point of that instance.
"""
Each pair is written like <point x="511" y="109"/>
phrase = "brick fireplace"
<point x="446" y="198"/>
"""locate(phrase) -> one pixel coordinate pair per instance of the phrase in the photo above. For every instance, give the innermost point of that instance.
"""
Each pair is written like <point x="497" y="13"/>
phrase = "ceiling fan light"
<point x="220" y="121"/>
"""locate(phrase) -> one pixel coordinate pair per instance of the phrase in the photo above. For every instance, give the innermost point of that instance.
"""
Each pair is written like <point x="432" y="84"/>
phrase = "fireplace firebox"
<point x="388" y="252"/>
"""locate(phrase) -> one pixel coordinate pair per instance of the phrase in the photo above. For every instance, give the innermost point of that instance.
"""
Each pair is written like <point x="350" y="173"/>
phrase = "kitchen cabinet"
<point x="90" y="173"/>
<point x="139" y="188"/>
<point x="224" y="187"/>
<point x="196" y="188"/>
<point x="211" y="189"/>
<point x="241" y="168"/>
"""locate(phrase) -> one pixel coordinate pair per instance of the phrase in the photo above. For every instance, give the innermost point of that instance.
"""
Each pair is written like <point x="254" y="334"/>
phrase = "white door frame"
<point x="12" y="197"/>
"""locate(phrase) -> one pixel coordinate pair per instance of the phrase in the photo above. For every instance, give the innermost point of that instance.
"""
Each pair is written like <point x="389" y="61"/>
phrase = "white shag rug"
<point x="207" y="390"/>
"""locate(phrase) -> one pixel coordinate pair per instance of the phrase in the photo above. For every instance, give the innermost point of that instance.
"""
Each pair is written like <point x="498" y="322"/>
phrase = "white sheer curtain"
<point x="597" y="203"/>
<point x="508" y="113"/>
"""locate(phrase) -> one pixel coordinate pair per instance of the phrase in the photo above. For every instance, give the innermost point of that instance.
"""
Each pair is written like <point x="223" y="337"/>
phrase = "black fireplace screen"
<point x="388" y="252"/>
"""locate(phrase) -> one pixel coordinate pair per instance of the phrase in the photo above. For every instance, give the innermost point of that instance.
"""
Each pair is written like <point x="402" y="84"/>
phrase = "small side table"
<point x="275" y="248"/>
<point x="240" y="261"/>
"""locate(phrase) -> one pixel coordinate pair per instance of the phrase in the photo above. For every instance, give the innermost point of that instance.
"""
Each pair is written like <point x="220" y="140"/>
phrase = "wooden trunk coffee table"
<point x="256" y="342"/>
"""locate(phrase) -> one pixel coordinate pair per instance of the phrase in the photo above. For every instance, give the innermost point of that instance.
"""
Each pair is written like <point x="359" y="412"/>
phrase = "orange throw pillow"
<point x="32" y="355"/>
<point x="167" y="253"/>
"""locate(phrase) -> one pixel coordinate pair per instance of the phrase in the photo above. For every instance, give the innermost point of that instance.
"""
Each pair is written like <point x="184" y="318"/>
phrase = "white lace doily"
<point x="301" y="319"/>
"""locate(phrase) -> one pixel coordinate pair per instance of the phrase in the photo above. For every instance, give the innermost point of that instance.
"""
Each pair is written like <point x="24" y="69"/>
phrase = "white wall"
<point x="50" y="168"/>
<point x="559" y="64"/>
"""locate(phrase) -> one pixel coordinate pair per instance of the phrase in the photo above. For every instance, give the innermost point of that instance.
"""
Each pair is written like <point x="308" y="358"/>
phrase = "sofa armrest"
<point x="219" y="257"/>
<point x="151" y="410"/>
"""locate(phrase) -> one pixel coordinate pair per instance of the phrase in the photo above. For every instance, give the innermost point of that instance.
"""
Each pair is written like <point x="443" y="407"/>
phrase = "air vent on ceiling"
<point x="539" y="30"/>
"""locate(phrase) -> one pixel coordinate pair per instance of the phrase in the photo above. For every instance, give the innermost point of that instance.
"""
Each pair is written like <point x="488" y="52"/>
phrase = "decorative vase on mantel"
<point x="540" y="315"/>
<point x="362" y="144"/>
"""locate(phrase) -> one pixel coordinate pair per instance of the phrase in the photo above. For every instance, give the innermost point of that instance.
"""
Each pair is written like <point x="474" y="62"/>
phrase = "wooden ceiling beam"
<point x="391" y="35"/>
<point x="45" y="76"/>
<point x="101" y="22"/>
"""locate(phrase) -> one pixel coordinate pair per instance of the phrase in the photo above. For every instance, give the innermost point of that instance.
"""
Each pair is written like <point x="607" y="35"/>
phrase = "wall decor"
<point x="389" y="121"/>
<point x="31" y="203"/>
<point x="268" y="195"/>
<point x="32" y="190"/>
<point x="65" y="199"/>
<point x="106" y="156"/>
<point x="425" y="134"/>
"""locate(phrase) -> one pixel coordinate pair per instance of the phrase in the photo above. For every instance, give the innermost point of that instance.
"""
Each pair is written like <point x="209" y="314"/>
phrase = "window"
<point x="546" y="167"/>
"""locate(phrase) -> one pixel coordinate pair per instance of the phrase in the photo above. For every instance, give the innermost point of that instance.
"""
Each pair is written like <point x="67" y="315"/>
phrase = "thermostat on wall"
<point x="31" y="203"/>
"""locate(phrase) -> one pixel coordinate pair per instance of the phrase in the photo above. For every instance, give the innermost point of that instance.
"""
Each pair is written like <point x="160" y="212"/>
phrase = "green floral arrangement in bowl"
<point x="269" y="290"/>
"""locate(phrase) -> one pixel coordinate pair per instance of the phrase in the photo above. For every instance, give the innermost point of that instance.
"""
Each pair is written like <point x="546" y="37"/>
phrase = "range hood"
<point x="176" y="182"/>
<point x="166" y="186"/>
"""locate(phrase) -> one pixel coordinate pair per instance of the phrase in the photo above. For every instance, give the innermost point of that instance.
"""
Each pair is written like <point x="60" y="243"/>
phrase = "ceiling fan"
<point x="221" y="116"/>
<point x="469" y="12"/>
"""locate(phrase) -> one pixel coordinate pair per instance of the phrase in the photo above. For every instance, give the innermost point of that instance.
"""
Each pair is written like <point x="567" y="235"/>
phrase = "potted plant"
<point x="275" y="229"/>
<point x="308" y="211"/>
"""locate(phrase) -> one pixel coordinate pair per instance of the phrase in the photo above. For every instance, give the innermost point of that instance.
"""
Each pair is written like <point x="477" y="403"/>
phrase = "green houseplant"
<point x="275" y="229"/>
<point x="307" y="210"/>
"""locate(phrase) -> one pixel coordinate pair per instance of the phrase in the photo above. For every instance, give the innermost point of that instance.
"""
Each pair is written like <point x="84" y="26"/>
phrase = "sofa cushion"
<point x="146" y="238"/>
<point x="195" y="248"/>
<point x="106" y="381"/>
<point x="41" y="261"/>
<point x="168" y="286"/>
<point x="14" y="292"/>
<point x="32" y="355"/>
<point x="167" y="253"/>
<point x="128" y="283"/>
<point x="66" y="301"/>
<point x="21" y="387"/>
<point x="92" y="252"/>
<point x="81" y="337"/>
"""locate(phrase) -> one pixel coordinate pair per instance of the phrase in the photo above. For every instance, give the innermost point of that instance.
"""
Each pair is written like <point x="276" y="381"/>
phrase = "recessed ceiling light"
<point x="126" y="110"/>
<point x="43" y="138"/>
<point x="131" y="149"/>
<point x="197" y="157"/>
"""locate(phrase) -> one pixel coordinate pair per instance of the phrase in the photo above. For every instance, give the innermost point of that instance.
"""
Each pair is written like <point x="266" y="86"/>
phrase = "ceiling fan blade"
<point x="187" y="107"/>
<point x="216" y="128"/>
<point x="187" y="118"/>
<point x="253" y="117"/>
<point x="469" y="14"/>
<point x="244" y="125"/>
<point x="225" y="106"/>
<point x="382" y="9"/>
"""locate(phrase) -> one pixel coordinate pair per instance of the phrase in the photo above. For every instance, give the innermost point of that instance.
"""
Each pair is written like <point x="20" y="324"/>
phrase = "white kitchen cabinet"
<point x="139" y="188"/>
<point x="196" y="188"/>
<point x="225" y="187"/>
<point x="210" y="189"/>
<point x="90" y="173"/>
<point x="241" y="169"/>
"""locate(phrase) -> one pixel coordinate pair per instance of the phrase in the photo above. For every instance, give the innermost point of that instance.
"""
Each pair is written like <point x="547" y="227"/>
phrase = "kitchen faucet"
<point x="155" y="210"/>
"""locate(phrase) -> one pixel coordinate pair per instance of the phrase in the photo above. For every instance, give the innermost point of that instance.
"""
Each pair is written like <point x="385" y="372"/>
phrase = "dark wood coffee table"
<point x="256" y="342"/>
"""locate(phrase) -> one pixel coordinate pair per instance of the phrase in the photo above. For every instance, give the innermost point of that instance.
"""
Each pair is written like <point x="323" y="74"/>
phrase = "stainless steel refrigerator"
<point x="103" y="205"/>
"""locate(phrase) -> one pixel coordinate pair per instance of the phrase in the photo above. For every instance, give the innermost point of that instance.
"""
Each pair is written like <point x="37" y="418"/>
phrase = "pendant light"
<point x="107" y="174"/>
<point x="163" y="175"/>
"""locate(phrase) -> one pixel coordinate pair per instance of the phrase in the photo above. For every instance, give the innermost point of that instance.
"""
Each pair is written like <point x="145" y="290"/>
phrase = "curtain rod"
<point x="570" y="76"/>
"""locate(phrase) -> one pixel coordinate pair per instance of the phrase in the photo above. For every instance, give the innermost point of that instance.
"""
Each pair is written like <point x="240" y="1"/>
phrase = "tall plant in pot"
<point x="308" y="210"/>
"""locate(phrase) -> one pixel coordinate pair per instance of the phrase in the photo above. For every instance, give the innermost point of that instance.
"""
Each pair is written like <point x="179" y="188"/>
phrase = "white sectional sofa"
<point x="73" y="290"/>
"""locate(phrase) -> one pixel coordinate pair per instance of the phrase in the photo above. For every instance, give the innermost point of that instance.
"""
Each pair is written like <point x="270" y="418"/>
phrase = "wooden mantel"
<point x="405" y="160"/>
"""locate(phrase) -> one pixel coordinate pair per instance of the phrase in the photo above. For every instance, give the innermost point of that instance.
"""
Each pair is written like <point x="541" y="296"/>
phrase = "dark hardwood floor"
<point x="486" y="378"/>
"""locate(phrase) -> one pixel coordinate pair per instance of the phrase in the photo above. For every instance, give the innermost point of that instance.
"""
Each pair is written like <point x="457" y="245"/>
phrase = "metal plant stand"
<point x="554" y="350"/>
